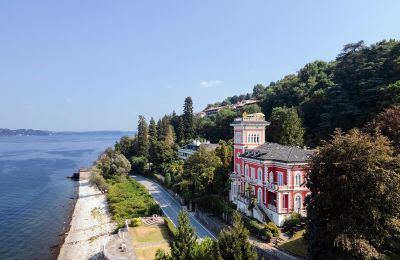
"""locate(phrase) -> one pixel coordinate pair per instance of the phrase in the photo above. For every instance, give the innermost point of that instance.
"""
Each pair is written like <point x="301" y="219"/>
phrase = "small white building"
<point x="189" y="149"/>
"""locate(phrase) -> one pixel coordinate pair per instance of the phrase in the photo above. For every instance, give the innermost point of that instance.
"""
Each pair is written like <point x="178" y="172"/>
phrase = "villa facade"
<point x="268" y="179"/>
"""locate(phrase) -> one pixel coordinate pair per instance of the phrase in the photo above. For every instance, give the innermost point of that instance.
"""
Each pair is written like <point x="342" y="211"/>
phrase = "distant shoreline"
<point x="32" y="132"/>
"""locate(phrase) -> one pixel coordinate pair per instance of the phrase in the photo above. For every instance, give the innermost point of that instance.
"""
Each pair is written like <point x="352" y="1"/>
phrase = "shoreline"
<point x="90" y="225"/>
<point x="56" y="249"/>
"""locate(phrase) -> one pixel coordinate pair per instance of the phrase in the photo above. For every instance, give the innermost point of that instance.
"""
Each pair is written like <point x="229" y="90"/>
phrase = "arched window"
<point x="258" y="138"/>
<point x="259" y="174"/>
<point x="297" y="202"/>
<point x="271" y="177"/>
<point x="248" y="138"/>
<point x="238" y="155"/>
<point x="297" y="179"/>
<point x="246" y="170"/>
<point x="259" y="197"/>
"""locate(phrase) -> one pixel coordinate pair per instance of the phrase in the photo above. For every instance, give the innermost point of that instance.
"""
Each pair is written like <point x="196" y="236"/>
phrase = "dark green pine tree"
<point x="153" y="131"/>
<point x="185" y="238"/>
<point x="180" y="132"/>
<point x="233" y="242"/>
<point x="142" y="137"/>
<point x="153" y="136"/>
<point x="188" y="119"/>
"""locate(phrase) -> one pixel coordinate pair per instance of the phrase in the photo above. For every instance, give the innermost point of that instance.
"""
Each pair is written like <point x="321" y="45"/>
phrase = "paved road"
<point x="171" y="207"/>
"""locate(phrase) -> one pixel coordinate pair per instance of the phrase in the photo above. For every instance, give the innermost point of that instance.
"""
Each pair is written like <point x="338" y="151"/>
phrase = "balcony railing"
<point x="251" y="180"/>
<point x="274" y="186"/>
<point x="234" y="175"/>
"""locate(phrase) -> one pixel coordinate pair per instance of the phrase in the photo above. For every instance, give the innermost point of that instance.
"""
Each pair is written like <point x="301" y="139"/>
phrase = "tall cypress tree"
<point x="188" y="119"/>
<point x="180" y="131"/>
<point x="153" y="136"/>
<point x="185" y="238"/>
<point x="142" y="137"/>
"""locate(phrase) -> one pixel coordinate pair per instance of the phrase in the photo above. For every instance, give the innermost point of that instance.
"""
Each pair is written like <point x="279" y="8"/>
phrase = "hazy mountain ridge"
<point x="28" y="132"/>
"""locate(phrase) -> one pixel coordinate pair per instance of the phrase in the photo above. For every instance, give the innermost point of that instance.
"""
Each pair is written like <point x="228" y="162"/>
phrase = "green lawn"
<point x="296" y="245"/>
<point x="147" y="239"/>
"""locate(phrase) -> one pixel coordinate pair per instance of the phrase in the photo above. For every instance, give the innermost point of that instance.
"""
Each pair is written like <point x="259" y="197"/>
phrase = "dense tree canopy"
<point x="345" y="93"/>
<point x="285" y="127"/>
<point x="353" y="210"/>
<point x="387" y="123"/>
<point x="198" y="174"/>
<point x="112" y="164"/>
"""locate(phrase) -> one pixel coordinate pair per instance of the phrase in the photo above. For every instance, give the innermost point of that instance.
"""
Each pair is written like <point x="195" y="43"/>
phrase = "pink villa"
<point x="270" y="174"/>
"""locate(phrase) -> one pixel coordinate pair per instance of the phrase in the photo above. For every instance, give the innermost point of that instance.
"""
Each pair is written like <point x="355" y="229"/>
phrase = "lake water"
<point x="35" y="194"/>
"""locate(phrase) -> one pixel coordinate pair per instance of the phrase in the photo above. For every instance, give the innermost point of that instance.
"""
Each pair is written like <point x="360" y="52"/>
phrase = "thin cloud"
<point x="210" y="83"/>
<point x="68" y="100"/>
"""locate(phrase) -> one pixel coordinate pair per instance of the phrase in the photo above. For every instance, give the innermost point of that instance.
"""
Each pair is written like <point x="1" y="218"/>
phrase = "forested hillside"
<point x="344" y="93"/>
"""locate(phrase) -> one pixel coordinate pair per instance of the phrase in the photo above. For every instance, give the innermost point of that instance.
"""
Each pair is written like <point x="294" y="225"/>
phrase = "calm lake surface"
<point x="35" y="194"/>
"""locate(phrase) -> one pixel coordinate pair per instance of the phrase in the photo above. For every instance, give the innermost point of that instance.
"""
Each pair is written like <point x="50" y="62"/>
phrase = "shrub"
<point x="135" y="222"/>
<point x="263" y="231"/>
<point x="272" y="228"/>
<point x="97" y="179"/>
<point x="293" y="220"/>
<point x="129" y="199"/>
<point x="170" y="225"/>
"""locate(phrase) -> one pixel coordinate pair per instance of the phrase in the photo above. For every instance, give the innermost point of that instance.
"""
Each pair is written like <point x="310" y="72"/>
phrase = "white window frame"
<point x="280" y="179"/>
<point x="297" y="179"/>
<point x="253" y="172"/>
<point x="259" y="174"/>
<point x="296" y="198"/>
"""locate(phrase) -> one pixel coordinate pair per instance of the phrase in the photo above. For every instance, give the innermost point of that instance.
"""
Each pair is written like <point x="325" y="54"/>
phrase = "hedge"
<point x="171" y="226"/>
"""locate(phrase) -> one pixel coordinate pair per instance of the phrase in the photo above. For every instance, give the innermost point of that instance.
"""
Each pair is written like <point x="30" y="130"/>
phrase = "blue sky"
<point x="97" y="65"/>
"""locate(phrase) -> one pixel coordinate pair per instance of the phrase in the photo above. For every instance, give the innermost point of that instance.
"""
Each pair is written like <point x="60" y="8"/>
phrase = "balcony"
<point x="251" y="180"/>
<point x="234" y="175"/>
<point x="275" y="187"/>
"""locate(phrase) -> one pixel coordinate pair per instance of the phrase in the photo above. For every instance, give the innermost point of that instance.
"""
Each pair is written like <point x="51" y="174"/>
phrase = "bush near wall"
<point x="260" y="230"/>
<point x="292" y="221"/>
<point x="135" y="222"/>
